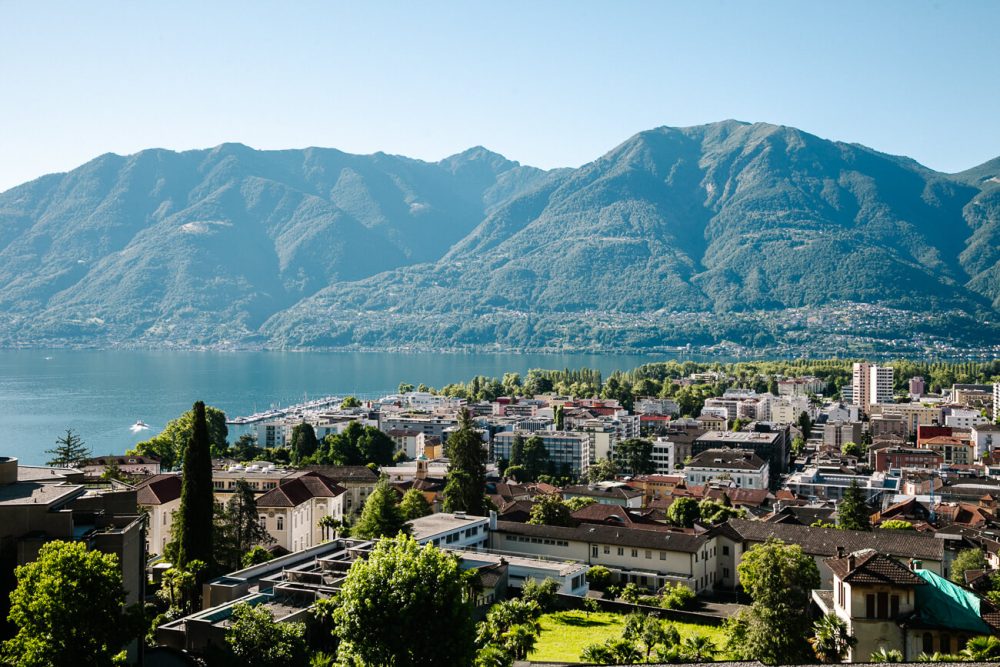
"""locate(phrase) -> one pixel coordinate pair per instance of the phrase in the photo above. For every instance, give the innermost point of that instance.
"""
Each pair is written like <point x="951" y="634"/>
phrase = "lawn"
<point x="565" y="633"/>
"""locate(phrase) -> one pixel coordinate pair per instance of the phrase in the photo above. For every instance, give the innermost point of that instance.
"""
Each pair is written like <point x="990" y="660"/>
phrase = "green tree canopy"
<point x="780" y="579"/>
<point x="536" y="458"/>
<point x="414" y="505"/>
<point x="68" y="609"/>
<point x="357" y="446"/>
<point x="238" y="528"/>
<point x="257" y="640"/>
<point x="350" y="402"/>
<point x="70" y="450"/>
<point x="170" y="443"/>
<point x="852" y="449"/>
<point x="303" y="442"/>
<point x="381" y="516"/>
<point x="406" y="605"/>
<point x="853" y="512"/>
<point x="466" y="486"/>
<point x="896" y="524"/>
<point x="635" y="456"/>
<point x="967" y="559"/>
<point x="683" y="512"/>
<point x="550" y="510"/>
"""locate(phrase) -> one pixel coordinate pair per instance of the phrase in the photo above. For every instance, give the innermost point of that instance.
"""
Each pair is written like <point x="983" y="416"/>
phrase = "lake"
<point x="101" y="394"/>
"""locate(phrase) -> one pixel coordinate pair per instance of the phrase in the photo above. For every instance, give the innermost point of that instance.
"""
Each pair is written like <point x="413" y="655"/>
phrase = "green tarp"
<point x="942" y="603"/>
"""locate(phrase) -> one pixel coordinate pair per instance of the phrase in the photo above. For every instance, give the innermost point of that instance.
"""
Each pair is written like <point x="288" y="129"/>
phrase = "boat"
<point x="139" y="426"/>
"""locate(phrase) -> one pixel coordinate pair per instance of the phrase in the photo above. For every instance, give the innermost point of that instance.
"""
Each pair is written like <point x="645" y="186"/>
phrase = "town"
<point x="655" y="498"/>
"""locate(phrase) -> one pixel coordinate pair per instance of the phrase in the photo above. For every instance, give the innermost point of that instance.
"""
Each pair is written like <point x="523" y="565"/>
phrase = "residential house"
<point x="293" y="511"/>
<point x="740" y="466"/>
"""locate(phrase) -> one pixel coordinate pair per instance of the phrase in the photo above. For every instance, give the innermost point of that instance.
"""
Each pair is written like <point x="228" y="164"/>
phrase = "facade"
<point x="900" y="458"/>
<point x="871" y="384"/>
<point x="452" y="530"/>
<point x="830" y="483"/>
<point x="159" y="496"/>
<point x="959" y="418"/>
<point x="664" y="456"/>
<point x="743" y="467"/>
<point x="606" y="493"/>
<point x="429" y="425"/>
<point x="130" y="465"/>
<point x="567" y="451"/>
<point x="292" y="511"/>
<point x="801" y="386"/>
<point x="996" y="403"/>
<point x="357" y="481"/>
<point x="913" y="414"/>
<point x="837" y="434"/>
<point x="918" y="386"/>
<point x="771" y="446"/>
<point x="651" y="405"/>
<point x="953" y="451"/>
<point x="985" y="438"/>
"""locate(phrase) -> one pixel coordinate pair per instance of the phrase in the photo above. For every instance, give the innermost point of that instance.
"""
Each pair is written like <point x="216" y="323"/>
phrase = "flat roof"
<point x="37" y="493"/>
<point x="563" y="568"/>
<point x="434" y="524"/>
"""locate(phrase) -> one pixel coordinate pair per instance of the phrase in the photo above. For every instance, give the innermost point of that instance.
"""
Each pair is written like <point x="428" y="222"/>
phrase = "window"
<point x="893" y="606"/>
<point x="870" y="606"/>
<point x="649" y="554"/>
<point x="725" y="572"/>
<point x="607" y="550"/>
<point x="635" y="553"/>
<point x="945" y="642"/>
<point x="263" y="521"/>
<point x="281" y="523"/>
<point x="928" y="642"/>
<point x="593" y="551"/>
<point x="621" y="551"/>
<point x="883" y="605"/>
<point x="663" y="555"/>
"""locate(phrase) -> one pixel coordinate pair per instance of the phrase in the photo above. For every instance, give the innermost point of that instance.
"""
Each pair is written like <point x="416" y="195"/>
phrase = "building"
<point x="953" y="451"/>
<point x="888" y="459"/>
<point x="871" y="384"/>
<point x="606" y="493"/>
<point x="996" y="403"/>
<point x="960" y="418"/>
<point x="159" y="497"/>
<point x="771" y="446"/>
<point x="651" y="405"/>
<point x="568" y="452"/>
<point x="571" y="576"/>
<point x="453" y="530"/>
<point x="912" y="414"/>
<point x="918" y="387"/>
<point x="357" y="481"/>
<point x="837" y="434"/>
<point x="739" y="466"/>
<point x="647" y="558"/>
<point x="830" y="483"/>
<point x="130" y="465"/>
<point x="664" y="456"/>
<point x="293" y="511"/>
<point x="888" y="606"/>
<point x="801" y="386"/>
<point x="430" y="425"/>
<point x="42" y="504"/>
<point x="985" y="438"/>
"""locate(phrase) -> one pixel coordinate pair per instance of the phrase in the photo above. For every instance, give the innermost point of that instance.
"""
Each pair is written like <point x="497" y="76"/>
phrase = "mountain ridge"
<point x="233" y="246"/>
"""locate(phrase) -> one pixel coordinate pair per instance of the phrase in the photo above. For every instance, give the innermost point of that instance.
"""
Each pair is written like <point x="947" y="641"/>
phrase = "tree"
<point x="68" y="609"/>
<point x="853" y="513"/>
<point x="559" y="417"/>
<point x="466" y="486"/>
<point x="713" y="512"/>
<point x="257" y="640"/>
<point x="376" y="447"/>
<point x="676" y="596"/>
<point x="516" y="451"/>
<point x="798" y="444"/>
<point x="967" y="559"/>
<point x="303" y="442"/>
<point x="831" y="639"/>
<point x="635" y="456"/>
<point x="683" y="512"/>
<point x="550" y="510"/>
<point x="780" y="579"/>
<point x="510" y="626"/>
<point x="601" y="471"/>
<point x="896" y="524"/>
<point x="542" y="593"/>
<point x="381" y="516"/>
<point x="598" y="577"/>
<point x="516" y="473"/>
<point x="579" y="502"/>
<point x="414" y="505"/>
<point x="245" y="448"/>
<point x="805" y="424"/>
<point x="349" y="403"/>
<point x="646" y="632"/>
<point x="238" y="527"/>
<point x="536" y="458"/>
<point x="982" y="649"/>
<point x="852" y="449"/>
<point x="404" y="388"/>
<point x="193" y="530"/>
<point x="70" y="450"/>
<point x="397" y="584"/>
<point x="171" y="443"/>
<point x="698" y="648"/>
<point x="614" y="651"/>
<point x="255" y="556"/>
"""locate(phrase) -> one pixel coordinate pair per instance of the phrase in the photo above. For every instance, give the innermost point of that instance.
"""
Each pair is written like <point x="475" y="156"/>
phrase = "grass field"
<point x="565" y="633"/>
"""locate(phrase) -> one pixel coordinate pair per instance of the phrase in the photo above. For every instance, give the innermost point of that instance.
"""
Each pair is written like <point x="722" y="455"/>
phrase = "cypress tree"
<point x="193" y="532"/>
<point x="853" y="512"/>
<point x="466" y="487"/>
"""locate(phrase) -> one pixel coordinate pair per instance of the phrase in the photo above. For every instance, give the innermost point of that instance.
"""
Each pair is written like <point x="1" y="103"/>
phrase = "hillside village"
<point x="893" y="495"/>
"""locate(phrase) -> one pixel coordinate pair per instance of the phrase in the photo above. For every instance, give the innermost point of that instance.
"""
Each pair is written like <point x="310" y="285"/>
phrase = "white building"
<point x="788" y="409"/>
<point x="996" y="402"/>
<point x="985" y="437"/>
<point x="159" y="496"/>
<point x="663" y="456"/>
<point x="740" y="466"/>
<point x="958" y="418"/>
<point x="871" y="384"/>
<point x="455" y="530"/>
<point x="801" y="386"/>
<point x="292" y="512"/>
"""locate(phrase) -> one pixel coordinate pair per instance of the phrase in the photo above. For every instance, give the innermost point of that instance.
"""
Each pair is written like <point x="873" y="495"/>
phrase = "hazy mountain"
<point x="636" y="249"/>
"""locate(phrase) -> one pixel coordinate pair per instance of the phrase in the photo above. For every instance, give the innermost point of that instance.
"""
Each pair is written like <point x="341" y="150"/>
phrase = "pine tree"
<point x="381" y="516"/>
<point x="466" y="487"/>
<point x="853" y="513"/>
<point x="194" y="529"/>
<point x="69" y="450"/>
<point x="238" y="527"/>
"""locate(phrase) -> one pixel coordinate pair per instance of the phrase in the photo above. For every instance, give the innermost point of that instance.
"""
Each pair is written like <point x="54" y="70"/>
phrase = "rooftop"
<point x="426" y="527"/>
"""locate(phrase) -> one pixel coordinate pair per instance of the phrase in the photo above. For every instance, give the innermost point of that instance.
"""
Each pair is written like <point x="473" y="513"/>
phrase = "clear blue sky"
<point x="546" y="83"/>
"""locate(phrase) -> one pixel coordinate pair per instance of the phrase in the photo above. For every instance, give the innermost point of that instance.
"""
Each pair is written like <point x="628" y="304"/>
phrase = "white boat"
<point x="140" y="426"/>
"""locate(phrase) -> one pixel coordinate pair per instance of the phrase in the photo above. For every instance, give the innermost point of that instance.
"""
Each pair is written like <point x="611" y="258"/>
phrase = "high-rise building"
<point x="871" y="384"/>
<point x="917" y="386"/>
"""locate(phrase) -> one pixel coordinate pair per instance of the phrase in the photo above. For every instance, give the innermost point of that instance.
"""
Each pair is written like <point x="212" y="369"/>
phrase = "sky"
<point x="550" y="84"/>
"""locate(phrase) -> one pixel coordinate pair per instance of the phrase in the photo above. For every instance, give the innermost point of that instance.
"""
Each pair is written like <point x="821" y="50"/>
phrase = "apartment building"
<point x="871" y="384"/>
<point x="912" y="414"/>
<point x="771" y="446"/>
<point x="837" y="434"/>
<point x="740" y="466"/>
<point x="801" y="386"/>
<point x="567" y="451"/>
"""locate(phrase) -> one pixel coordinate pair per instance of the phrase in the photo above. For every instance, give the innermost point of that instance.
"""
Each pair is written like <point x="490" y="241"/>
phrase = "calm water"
<point x="100" y="394"/>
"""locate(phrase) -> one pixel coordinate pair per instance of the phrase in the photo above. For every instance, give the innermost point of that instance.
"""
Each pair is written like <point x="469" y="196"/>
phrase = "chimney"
<point x="850" y="562"/>
<point x="840" y="552"/>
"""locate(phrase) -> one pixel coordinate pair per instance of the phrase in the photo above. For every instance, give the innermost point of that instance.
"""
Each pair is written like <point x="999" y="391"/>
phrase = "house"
<point x="743" y="467"/>
<point x="606" y="493"/>
<point x="293" y="511"/>
<point x="357" y="481"/>
<point x="771" y="445"/>
<point x="953" y="450"/>
<point x="889" y="606"/>
<point x="159" y="497"/>
<point x="454" y="530"/>
<point x="128" y="464"/>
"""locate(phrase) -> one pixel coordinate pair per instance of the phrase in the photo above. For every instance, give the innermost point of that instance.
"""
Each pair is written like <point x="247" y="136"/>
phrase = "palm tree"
<point x="519" y="640"/>
<point x="886" y="655"/>
<point x="698" y="648"/>
<point x="982" y="649"/>
<point x="831" y="639"/>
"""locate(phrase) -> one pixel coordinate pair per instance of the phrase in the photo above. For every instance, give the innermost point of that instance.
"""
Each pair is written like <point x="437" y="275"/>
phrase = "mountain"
<point x="755" y="234"/>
